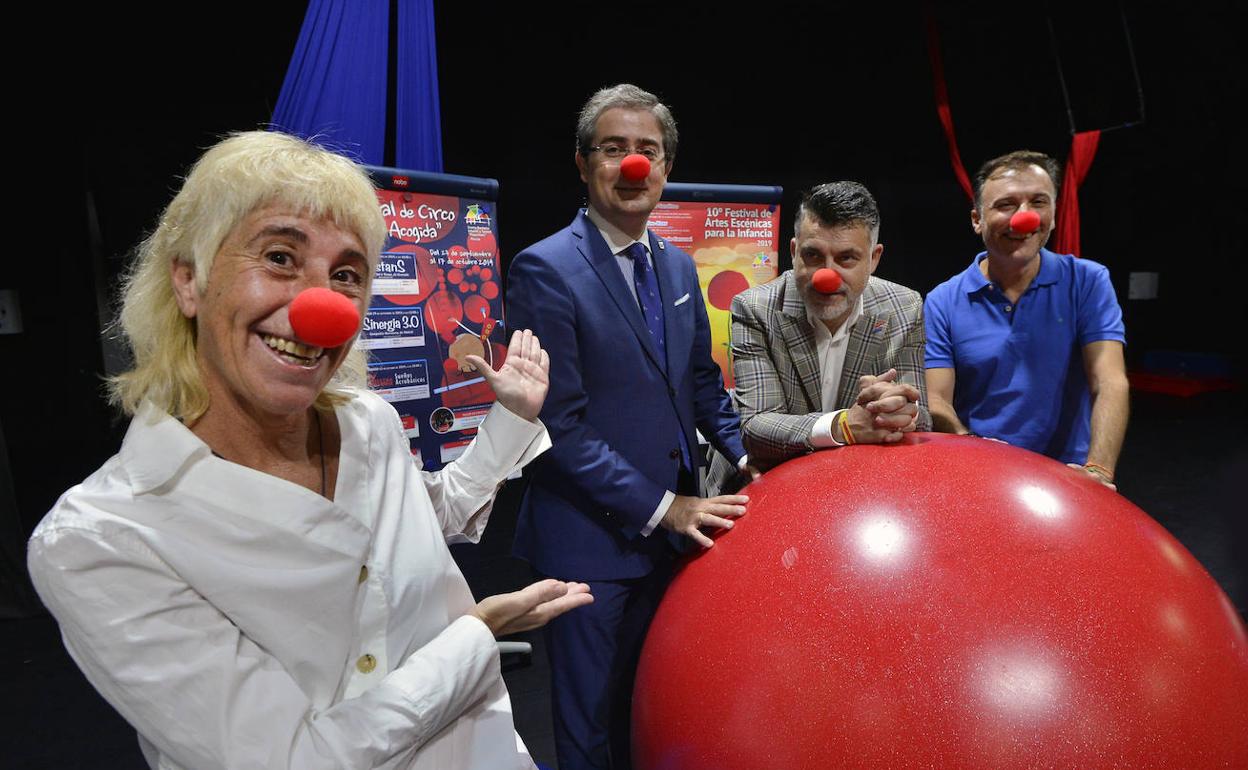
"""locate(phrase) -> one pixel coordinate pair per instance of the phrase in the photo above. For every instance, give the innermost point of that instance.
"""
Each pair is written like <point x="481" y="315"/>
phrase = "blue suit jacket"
<point x="614" y="409"/>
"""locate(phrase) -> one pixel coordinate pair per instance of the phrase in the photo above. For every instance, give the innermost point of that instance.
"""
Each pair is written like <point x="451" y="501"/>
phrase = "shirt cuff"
<point x="668" y="498"/>
<point x="821" y="435"/>
<point x="744" y="461"/>
<point x="504" y="442"/>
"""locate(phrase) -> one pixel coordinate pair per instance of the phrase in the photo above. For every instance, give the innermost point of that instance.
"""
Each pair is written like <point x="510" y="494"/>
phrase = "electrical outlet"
<point x="10" y="312"/>
<point x="1142" y="285"/>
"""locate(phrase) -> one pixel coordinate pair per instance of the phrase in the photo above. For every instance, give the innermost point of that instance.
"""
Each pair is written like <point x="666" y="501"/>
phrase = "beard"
<point x="829" y="311"/>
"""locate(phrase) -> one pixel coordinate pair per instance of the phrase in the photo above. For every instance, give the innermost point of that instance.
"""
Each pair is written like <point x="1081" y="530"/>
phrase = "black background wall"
<point x="117" y="105"/>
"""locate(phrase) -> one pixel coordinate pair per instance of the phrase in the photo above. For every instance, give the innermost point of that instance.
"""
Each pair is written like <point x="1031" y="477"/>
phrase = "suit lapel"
<point x="596" y="252"/>
<point x="799" y="338"/>
<point x="678" y="337"/>
<point x="861" y="351"/>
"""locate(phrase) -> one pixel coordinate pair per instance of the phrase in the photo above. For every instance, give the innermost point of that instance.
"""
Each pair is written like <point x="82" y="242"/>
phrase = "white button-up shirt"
<point x="831" y="348"/>
<point x="238" y="620"/>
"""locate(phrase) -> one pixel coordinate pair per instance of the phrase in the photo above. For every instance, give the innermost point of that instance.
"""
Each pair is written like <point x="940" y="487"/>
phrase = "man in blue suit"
<point x="631" y="378"/>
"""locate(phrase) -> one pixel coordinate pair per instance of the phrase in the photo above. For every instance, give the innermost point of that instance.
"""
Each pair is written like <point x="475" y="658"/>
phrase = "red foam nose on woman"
<point x="324" y="318"/>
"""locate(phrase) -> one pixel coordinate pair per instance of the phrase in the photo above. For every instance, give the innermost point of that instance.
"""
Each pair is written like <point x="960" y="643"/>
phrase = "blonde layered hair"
<point x="242" y="173"/>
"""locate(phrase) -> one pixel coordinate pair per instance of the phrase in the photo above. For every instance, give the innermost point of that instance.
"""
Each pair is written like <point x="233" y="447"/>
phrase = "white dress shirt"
<point x="831" y="349"/>
<point x="619" y="242"/>
<point x="237" y="620"/>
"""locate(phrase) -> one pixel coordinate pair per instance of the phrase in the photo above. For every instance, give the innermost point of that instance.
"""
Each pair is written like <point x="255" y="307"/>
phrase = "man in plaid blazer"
<point x="815" y="370"/>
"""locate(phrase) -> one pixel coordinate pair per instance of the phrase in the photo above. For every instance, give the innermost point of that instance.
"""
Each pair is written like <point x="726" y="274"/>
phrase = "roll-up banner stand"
<point x="436" y="299"/>
<point x="733" y="234"/>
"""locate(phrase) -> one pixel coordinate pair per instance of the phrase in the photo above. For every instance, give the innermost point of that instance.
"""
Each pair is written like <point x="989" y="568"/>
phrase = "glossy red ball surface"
<point x="635" y="167"/>
<point x="950" y="602"/>
<point x="826" y="280"/>
<point x="1024" y="221"/>
<point x="323" y="318"/>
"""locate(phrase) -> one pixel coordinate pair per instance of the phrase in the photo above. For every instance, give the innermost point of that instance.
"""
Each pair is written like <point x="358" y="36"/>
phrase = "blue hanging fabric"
<point x="418" y="122"/>
<point x="335" y="88"/>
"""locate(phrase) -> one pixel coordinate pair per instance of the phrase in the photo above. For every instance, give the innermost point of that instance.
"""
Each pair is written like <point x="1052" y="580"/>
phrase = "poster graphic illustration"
<point x="735" y="247"/>
<point x="436" y="300"/>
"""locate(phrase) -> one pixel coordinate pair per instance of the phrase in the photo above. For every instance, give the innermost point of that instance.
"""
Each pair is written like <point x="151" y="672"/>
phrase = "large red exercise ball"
<point x="949" y="602"/>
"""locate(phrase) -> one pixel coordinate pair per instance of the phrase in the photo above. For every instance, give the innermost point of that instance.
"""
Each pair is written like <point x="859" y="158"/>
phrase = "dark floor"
<point x="1185" y="463"/>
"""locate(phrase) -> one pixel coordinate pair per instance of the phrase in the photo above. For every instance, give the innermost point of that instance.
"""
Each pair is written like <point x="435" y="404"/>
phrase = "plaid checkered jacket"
<point x="775" y="363"/>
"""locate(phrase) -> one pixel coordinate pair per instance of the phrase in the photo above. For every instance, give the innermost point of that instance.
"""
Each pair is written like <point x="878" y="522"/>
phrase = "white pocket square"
<point x="682" y="300"/>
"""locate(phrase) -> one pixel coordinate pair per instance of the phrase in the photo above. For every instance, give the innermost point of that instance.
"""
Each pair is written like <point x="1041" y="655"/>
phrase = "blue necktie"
<point x="648" y="297"/>
<point x="647" y="285"/>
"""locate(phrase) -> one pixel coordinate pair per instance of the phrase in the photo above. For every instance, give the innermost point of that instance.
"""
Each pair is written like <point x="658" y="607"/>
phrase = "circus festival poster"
<point x="735" y="247"/>
<point x="436" y="300"/>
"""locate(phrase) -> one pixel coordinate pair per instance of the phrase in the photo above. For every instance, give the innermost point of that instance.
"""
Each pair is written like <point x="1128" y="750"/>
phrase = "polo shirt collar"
<point x="1050" y="270"/>
<point x="973" y="280"/>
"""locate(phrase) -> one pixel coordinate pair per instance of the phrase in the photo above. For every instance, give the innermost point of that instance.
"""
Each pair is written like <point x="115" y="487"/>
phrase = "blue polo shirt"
<point x="1019" y="366"/>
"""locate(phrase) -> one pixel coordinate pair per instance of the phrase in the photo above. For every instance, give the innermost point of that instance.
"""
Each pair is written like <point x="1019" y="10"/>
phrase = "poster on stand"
<point x="437" y="299"/>
<point x="733" y="234"/>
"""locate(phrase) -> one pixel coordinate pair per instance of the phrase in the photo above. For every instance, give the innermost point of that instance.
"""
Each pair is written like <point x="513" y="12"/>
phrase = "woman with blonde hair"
<point x="260" y="578"/>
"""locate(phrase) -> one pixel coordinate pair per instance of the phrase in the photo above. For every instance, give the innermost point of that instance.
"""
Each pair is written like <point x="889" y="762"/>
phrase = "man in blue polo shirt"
<point x="1026" y="345"/>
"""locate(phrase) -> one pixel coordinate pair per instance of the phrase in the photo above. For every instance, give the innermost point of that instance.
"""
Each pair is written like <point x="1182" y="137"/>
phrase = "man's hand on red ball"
<point x="687" y="514"/>
<point x="884" y="411"/>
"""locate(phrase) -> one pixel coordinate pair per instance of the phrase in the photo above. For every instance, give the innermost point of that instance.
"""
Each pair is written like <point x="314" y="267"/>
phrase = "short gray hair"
<point x="629" y="97"/>
<point x="839" y="204"/>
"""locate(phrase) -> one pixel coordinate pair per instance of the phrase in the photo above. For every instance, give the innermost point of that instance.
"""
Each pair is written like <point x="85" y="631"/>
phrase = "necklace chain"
<point x="320" y="447"/>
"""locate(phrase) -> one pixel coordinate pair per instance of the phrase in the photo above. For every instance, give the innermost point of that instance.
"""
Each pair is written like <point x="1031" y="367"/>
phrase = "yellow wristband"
<point x="846" y="433"/>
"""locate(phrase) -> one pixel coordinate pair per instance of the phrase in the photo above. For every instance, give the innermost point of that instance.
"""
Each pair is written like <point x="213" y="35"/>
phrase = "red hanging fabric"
<point x="1082" y="150"/>
<point x="942" y="103"/>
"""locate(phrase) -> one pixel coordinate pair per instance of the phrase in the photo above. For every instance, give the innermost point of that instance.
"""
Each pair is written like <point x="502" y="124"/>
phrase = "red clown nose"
<point x="635" y="167"/>
<point x="1024" y="221"/>
<point x="826" y="280"/>
<point x="324" y="318"/>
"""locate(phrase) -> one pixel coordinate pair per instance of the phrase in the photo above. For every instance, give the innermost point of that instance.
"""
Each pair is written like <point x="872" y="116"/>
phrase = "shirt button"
<point x="363" y="573"/>
<point x="366" y="664"/>
<point x="674" y="454"/>
<point x="1008" y="308"/>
